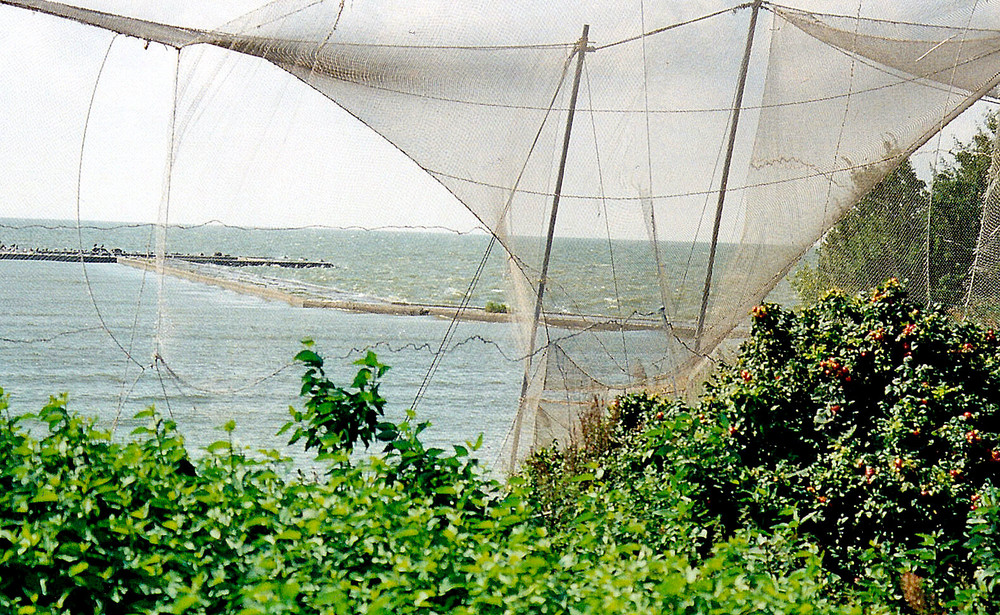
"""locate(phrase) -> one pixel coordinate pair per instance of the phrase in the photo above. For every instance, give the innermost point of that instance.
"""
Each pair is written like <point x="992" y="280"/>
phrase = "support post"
<point x="581" y="50"/>
<point x="727" y="165"/>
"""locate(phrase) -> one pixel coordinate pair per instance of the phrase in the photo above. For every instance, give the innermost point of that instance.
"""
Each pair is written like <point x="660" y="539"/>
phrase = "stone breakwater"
<point x="310" y="296"/>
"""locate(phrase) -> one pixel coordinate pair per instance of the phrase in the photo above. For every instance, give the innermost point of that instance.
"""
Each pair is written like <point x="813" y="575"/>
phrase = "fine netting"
<point x="630" y="116"/>
<point x="874" y="114"/>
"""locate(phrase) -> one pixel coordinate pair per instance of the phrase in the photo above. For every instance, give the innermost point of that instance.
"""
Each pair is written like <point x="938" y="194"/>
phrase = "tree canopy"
<point x="905" y="229"/>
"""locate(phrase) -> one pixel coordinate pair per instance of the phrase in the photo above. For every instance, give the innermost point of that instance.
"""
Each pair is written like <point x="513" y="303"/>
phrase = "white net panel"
<point x="479" y="98"/>
<point x="873" y="113"/>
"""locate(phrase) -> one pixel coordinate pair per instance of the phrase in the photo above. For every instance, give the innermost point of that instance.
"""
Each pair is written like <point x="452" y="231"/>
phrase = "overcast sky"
<point x="294" y="145"/>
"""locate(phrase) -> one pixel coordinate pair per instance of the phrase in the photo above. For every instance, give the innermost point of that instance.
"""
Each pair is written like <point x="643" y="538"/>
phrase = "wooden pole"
<point x="727" y="165"/>
<point x="581" y="49"/>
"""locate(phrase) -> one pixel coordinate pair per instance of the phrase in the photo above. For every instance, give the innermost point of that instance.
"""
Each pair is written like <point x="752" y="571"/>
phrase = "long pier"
<point x="59" y="256"/>
<point x="99" y="255"/>
<point x="189" y="267"/>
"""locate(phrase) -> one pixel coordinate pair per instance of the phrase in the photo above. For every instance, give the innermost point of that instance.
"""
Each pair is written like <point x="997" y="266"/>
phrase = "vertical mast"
<point x="740" y="87"/>
<point x="581" y="49"/>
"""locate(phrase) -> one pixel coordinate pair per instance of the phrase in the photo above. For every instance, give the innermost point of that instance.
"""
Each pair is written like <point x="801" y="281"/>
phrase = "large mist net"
<point x="645" y="173"/>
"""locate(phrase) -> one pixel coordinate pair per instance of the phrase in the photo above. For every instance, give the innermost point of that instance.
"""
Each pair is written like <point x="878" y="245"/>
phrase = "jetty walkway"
<point x="206" y="270"/>
<point x="103" y="255"/>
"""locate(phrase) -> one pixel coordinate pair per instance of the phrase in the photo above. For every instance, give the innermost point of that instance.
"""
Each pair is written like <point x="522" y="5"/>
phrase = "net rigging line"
<point x="660" y="30"/>
<point x="221" y="392"/>
<point x="163" y="215"/>
<point x="735" y="106"/>
<point x="426" y="347"/>
<point x="245" y="18"/>
<point x="237" y="227"/>
<point x="762" y="184"/>
<point x="847" y="109"/>
<point x="45" y="340"/>
<point x="467" y="297"/>
<point x="964" y="29"/>
<point x="159" y="375"/>
<point x="121" y="404"/>
<point x="79" y="182"/>
<point x="904" y="77"/>
<point x="123" y="395"/>
<point x="604" y="207"/>
<point x="937" y="155"/>
<point x="989" y="197"/>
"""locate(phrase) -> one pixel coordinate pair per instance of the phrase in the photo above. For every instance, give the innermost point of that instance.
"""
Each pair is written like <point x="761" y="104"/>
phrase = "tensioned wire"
<point x="847" y="109"/>
<point x="937" y="155"/>
<point x="163" y="215"/>
<point x="161" y="229"/>
<point x="604" y="207"/>
<point x="220" y="224"/>
<point x="689" y="193"/>
<point x="894" y="22"/>
<point x="123" y="394"/>
<point x="246" y="18"/>
<point x="989" y="202"/>
<point x="128" y="352"/>
<point x="926" y="136"/>
<point x="79" y="181"/>
<point x="467" y="297"/>
<point x="672" y="26"/>
<point x="704" y="210"/>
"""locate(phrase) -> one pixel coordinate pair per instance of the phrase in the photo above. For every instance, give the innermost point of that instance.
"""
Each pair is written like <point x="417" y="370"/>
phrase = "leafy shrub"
<point x="875" y="419"/>
<point x="870" y="423"/>
<point x="492" y="307"/>
<point x="334" y="418"/>
<point x="90" y="525"/>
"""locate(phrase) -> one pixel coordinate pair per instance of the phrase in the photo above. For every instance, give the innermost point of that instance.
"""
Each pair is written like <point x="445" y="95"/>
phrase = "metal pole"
<point x="740" y="87"/>
<point x="581" y="49"/>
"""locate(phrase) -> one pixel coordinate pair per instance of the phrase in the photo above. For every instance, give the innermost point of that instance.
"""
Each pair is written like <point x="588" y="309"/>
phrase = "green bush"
<point x="874" y="418"/>
<point x="492" y="307"/>
<point x="869" y="424"/>
<point x="91" y="525"/>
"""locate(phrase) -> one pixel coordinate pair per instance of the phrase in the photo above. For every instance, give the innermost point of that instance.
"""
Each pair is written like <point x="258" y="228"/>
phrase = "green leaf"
<point x="45" y="496"/>
<point x="185" y="602"/>
<point x="309" y="357"/>
<point x="218" y="445"/>
<point x="289" y="535"/>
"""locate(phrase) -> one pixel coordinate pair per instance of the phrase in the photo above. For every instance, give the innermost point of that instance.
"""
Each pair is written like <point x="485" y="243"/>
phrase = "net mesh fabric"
<point x="877" y="91"/>
<point x="984" y="275"/>
<point x="480" y="98"/>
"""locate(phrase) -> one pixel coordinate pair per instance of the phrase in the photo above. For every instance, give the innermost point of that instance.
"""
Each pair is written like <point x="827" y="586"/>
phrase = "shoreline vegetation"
<point x="845" y="463"/>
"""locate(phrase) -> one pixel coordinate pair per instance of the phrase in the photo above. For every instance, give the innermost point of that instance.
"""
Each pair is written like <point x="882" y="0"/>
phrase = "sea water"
<point x="95" y="331"/>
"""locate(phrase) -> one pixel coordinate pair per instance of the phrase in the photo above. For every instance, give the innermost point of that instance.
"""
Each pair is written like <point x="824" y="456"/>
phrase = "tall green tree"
<point x="886" y="234"/>
<point x="880" y="238"/>
<point x="956" y="212"/>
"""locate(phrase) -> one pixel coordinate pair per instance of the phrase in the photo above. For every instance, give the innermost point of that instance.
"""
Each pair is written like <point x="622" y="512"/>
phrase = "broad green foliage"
<point x="865" y="427"/>
<point x="875" y="419"/>
<point x="335" y="418"/>
<point x="886" y="233"/>
<point x="90" y="525"/>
